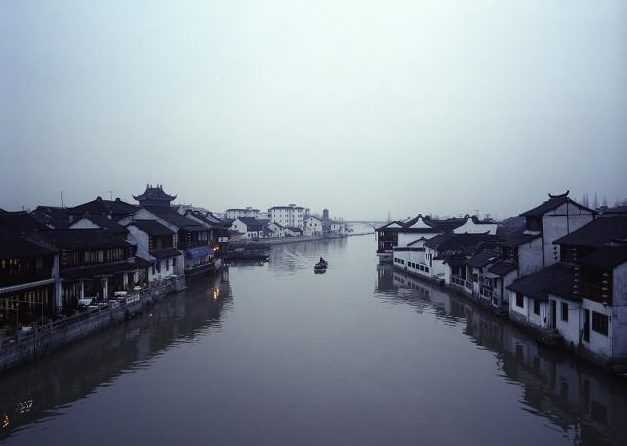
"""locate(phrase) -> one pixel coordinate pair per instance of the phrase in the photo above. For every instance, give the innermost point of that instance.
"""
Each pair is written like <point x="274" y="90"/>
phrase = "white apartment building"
<point x="289" y="216"/>
<point x="240" y="212"/>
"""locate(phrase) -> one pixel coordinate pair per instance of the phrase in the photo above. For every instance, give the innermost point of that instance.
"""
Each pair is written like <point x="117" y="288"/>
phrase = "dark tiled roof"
<point x="2" y="211"/>
<point x="458" y="242"/>
<point x="482" y="258"/>
<point x="553" y="202"/>
<point x="455" y="261"/>
<point x="154" y="193"/>
<point x="209" y="219"/>
<point x="105" y="269"/>
<point x="616" y="210"/>
<point x="606" y="257"/>
<point x="176" y="219"/>
<point x="106" y="223"/>
<point x="164" y="253"/>
<point x="517" y="238"/>
<point x="486" y="221"/>
<point x="252" y="224"/>
<point x="401" y="224"/>
<point x="152" y="227"/>
<point x="445" y="225"/>
<point x="421" y="239"/>
<point x="597" y="233"/>
<point x="502" y="267"/>
<point x="52" y="216"/>
<point x="71" y="239"/>
<point x="557" y="279"/>
<point x="103" y="207"/>
<point x="18" y="222"/>
<point x="16" y="247"/>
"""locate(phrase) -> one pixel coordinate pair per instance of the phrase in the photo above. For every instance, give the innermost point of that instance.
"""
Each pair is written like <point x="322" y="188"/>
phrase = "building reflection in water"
<point x="588" y="405"/>
<point x="40" y="390"/>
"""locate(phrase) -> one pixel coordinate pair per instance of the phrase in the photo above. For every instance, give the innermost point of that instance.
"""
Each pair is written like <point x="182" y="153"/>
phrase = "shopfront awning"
<point x="195" y="253"/>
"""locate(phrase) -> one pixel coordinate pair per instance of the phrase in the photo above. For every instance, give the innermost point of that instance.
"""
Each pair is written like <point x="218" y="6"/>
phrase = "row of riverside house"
<point x="563" y="275"/>
<point x="281" y="222"/>
<point x="57" y="259"/>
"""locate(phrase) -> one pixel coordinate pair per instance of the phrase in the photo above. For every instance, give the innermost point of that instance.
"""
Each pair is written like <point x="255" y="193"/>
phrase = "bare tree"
<point x="604" y="202"/>
<point x="585" y="201"/>
<point x="596" y="201"/>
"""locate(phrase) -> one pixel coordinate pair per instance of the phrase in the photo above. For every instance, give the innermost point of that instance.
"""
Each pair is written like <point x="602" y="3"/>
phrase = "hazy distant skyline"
<point x="442" y="106"/>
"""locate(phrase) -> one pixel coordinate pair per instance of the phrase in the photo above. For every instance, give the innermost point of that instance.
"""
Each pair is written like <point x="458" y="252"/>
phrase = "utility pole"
<point x="61" y="198"/>
<point x="110" y="195"/>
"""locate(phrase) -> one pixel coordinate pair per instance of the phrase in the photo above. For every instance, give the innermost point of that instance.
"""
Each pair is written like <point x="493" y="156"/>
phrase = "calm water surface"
<point x="275" y="355"/>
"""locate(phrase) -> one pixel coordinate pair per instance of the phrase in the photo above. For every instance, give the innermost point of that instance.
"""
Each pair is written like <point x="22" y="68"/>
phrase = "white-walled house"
<point x="387" y="240"/>
<point x="156" y="244"/>
<point x="192" y="238"/>
<point x="428" y="257"/>
<point x="555" y="218"/>
<point x="338" y="228"/>
<point x="292" y="232"/>
<point x="529" y="296"/>
<point x="399" y="236"/>
<point x="250" y="228"/>
<point x="313" y="226"/>
<point x="276" y="230"/>
<point x="594" y="320"/>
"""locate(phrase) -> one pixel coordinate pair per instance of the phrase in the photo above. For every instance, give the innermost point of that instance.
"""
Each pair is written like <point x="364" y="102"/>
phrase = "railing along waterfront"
<point x="41" y="338"/>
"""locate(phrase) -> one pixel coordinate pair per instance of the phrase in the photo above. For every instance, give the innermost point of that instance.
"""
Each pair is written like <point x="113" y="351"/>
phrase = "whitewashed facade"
<point x="288" y="216"/>
<point x="249" y="227"/>
<point x="313" y="226"/>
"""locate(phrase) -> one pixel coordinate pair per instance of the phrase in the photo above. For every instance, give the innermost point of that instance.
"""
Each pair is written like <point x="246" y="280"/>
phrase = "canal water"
<point x="275" y="355"/>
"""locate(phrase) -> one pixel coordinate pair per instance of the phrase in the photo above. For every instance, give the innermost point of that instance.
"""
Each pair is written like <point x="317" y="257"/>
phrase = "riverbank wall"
<point x="42" y="340"/>
<point x="545" y="337"/>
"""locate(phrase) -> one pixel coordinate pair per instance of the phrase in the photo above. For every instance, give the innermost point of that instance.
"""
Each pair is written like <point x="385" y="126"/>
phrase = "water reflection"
<point x="42" y="389"/>
<point x="586" y="405"/>
<point x="290" y="258"/>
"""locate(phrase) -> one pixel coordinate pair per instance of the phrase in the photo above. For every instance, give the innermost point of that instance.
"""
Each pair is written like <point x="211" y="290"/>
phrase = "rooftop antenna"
<point x="110" y="194"/>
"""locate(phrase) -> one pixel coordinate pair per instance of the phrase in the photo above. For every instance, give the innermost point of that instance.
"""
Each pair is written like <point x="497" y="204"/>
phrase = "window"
<point x="536" y="306"/>
<point x="153" y="268"/>
<point x="173" y="262"/>
<point x="564" y="312"/>
<point x="159" y="267"/>
<point x="520" y="300"/>
<point x="600" y="323"/>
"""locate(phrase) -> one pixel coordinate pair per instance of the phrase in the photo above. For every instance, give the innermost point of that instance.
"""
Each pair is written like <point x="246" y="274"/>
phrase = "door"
<point x="553" y="314"/>
<point x="586" y="325"/>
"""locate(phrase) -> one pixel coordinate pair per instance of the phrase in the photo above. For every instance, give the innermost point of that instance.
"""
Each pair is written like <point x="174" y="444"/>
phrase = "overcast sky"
<point x="443" y="106"/>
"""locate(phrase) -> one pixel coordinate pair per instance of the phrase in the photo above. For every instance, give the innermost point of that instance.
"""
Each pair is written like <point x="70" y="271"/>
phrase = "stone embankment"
<point x="42" y="340"/>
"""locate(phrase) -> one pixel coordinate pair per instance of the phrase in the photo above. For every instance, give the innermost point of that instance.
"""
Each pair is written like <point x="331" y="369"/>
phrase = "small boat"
<point x="321" y="266"/>
<point x="319" y="269"/>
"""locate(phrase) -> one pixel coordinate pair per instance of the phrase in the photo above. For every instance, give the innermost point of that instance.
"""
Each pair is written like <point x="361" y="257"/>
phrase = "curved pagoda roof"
<point x="154" y="194"/>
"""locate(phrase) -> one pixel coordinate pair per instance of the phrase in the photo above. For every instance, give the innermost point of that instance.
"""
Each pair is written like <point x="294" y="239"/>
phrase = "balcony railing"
<point x="462" y="283"/>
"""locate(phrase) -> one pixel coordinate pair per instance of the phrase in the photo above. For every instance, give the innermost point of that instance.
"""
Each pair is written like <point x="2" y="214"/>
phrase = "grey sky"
<point x="444" y="106"/>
